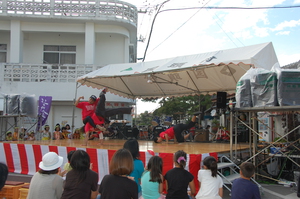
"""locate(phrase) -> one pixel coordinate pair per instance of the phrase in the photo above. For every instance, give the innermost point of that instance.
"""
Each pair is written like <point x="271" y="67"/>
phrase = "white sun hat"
<point x="51" y="161"/>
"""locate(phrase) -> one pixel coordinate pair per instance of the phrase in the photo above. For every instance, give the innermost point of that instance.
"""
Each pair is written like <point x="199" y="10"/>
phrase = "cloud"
<point x="288" y="59"/>
<point x="287" y="24"/>
<point x="296" y="1"/>
<point x="261" y="32"/>
<point x="283" y="33"/>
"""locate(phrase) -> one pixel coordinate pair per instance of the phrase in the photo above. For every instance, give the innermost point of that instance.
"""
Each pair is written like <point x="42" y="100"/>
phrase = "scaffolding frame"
<point x="8" y="122"/>
<point x="253" y="132"/>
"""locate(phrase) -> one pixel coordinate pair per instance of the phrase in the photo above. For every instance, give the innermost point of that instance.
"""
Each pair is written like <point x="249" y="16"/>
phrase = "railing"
<point x="102" y="9"/>
<point x="44" y="72"/>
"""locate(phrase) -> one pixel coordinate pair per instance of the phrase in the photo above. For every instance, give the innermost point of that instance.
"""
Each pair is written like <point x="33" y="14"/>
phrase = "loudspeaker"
<point x="221" y="99"/>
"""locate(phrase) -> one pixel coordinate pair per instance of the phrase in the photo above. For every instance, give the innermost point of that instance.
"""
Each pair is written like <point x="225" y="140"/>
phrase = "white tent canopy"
<point x="181" y="76"/>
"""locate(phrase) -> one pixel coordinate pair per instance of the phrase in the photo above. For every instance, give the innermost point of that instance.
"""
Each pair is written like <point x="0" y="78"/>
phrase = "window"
<point x="3" y="52"/>
<point x="59" y="54"/>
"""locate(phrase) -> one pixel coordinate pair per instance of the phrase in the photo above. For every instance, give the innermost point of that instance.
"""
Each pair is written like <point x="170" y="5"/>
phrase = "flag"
<point x="43" y="110"/>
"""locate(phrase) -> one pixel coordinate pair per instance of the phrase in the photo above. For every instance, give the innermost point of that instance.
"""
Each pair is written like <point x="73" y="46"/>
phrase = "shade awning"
<point x="181" y="76"/>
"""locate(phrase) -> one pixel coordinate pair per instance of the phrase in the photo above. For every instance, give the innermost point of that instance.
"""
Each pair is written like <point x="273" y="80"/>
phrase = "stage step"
<point x="229" y="179"/>
<point x="226" y="163"/>
<point x="223" y="165"/>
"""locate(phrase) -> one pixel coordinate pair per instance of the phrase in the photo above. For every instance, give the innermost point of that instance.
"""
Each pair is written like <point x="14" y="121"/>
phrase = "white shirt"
<point x="209" y="185"/>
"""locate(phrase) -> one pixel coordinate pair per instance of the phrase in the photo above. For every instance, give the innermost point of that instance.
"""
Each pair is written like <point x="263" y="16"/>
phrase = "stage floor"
<point x="145" y="145"/>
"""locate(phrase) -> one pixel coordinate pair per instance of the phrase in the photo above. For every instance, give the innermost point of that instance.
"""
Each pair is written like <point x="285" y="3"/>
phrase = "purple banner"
<point x="43" y="110"/>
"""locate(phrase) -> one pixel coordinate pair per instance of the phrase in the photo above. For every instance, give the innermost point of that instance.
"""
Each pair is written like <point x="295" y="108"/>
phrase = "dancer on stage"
<point x="88" y="108"/>
<point x="175" y="132"/>
<point x="101" y="114"/>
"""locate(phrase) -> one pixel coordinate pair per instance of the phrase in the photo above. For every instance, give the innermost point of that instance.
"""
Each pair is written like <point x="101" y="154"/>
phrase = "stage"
<point x="24" y="156"/>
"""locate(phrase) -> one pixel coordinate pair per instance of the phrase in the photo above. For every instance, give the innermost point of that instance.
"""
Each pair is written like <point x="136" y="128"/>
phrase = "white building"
<point x="46" y="44"/>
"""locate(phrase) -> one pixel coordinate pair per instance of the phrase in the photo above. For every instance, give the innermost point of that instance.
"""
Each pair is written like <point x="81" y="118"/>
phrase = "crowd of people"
<point x="129" y="179"/>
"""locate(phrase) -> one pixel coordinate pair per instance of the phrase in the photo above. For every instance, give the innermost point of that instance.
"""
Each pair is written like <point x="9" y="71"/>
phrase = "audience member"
<point x="46" y="134"/>
<point x="117" y="184"/>
<point x="46" y="183"/>
<point x="8" y="136"/>
<point x="76" y="134"/>
<point x="138" y="167"/>
<point x="64" y="133"/>
<point x="57" y="133"/>
<point x="243" y="188"/>
<point x="31" y="136"/>
<point x="3" y="174"/>
<point x="210" y="184"/>
<point x="178" y="179"/>
<point x="67" y="166"/>
<point x="15" y="136"/>
<point x="152" y="179"/>
<point x="81" y="181"/>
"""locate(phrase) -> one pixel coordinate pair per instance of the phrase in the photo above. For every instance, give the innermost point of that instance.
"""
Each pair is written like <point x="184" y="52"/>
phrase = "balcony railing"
<point x="101" y="9"/>
<point x="44" y="72"/>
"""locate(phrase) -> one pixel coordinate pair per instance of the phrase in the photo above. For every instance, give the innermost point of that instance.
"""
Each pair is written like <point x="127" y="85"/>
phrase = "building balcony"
<point x="43" y="72"/>
<point x="104" y="10"/>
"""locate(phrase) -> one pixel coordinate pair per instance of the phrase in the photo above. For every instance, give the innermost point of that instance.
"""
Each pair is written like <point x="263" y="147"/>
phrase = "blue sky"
<point x="195" y="31"/>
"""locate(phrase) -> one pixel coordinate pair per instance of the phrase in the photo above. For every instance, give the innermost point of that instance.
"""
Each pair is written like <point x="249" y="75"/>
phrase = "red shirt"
<point x="169" y="131"/>
<point x="87" y="108"/>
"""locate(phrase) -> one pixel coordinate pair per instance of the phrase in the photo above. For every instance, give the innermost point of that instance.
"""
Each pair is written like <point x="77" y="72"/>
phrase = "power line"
<point x="233" y="8"/>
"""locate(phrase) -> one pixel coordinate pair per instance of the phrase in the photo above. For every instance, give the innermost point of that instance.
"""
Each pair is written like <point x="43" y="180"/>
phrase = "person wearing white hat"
<point x="46" y="183"/>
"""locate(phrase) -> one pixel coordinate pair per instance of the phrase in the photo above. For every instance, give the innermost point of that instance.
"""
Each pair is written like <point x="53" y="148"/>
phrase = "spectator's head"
<point x="155" y="163"/>
<point x="57" y="128"/>
<point x="121" y="163"/>
<point x="68" y="127"/>
<point x="8" y="133"/>
<point x="16" y="129"/>
<point x="80" y="160"/>
<point x="247" y="170"/>
<point x="210" y="163"/>
<point x="133" y="146"/>
<point x="47" y="127"/>
<point x="3" y="174"/>
<point x="92" y="99"/>
<point x="207" y="127"/>
<point x="180" y="159"/>
<point x="50" y="163"/>
<point x="70" y="154"/>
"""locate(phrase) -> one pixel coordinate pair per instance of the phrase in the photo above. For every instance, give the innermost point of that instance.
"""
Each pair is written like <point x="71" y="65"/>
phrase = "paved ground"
<point x="273" y="191"/>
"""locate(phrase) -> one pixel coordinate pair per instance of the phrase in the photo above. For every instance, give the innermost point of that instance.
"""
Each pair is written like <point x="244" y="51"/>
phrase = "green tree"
<point x="144" y="119"/>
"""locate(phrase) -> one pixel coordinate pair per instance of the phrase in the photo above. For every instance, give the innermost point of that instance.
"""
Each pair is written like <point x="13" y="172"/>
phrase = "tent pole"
<point x="73" y="111"/>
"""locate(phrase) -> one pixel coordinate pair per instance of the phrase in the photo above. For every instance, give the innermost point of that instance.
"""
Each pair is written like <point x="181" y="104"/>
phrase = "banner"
<point x="43" y="110"/>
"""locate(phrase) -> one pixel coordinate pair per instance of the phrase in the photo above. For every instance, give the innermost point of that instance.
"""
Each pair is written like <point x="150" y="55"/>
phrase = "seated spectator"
<point x="3" y="174"/>
<point x="8" y="136"/>
<point x="210" y="184"/>
<point x="138" y="167"/>
<point x="117" y="184"/>
<point x="81" y="182"/>
<point x="64" y="133"/>
<point x="15" y="135"/>
<point x="67" y="166"/>
<point x="76" y="134"/>
<point x="243" y="188"/>
<point x="46" y="183"/>
<point x="46" y="134"/>
<point x="31" y="136"/>
<point x="178" y="179"/>
<point x="57" y="133"/>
